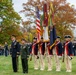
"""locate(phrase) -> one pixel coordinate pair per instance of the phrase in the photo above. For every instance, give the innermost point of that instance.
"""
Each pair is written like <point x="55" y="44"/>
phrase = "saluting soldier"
<point x="24" y="56"/>
<point x="49" y="56"/>
<point x="15" y="51"/>
<point x="68" y="49"/>
<point x="58" y="49"/>
<point x="42" y="52"/>
<point x="34" y="53"/>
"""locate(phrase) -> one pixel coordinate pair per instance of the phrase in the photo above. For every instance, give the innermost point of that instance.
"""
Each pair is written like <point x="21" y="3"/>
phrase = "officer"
<point x="58" y="49"/>
<point x="68" y="48"/>
<point x="42" y="52"/>
<point x="15" y="51"/>
<point x="34" y="53"/>
<point x="24" y="56"/>
<point x="49" y="56"/>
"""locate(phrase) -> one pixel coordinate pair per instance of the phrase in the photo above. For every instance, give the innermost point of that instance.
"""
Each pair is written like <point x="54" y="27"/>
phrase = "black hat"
<point x="35" y="38"/>
<point x="67" y="36"/>
<point x="58" y="37"/>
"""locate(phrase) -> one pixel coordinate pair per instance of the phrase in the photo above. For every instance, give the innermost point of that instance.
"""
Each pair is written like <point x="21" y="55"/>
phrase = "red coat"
<point x="68" y="47"/>
<point x="42" y="48"/>
<point x="50" y="52"/>
<point x="34" y="49"/>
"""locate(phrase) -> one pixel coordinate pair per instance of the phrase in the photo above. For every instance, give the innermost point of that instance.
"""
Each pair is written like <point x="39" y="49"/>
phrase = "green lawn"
<point x="6" y="68"/>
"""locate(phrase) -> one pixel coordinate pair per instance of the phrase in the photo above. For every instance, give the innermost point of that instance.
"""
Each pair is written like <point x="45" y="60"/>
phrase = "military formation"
<point x="41" y="51"/>
<point x="59" y="51"/>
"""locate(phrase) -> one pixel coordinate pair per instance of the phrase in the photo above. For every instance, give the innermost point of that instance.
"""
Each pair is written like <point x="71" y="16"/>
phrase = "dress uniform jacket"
<point x="59" y="48"/>
<point x="50" y="51"/>
<point x="15" y="49"/>
<point x="69" y="48"/>
<point x="24" y="51"/>
<point x="42" y="46"/>
<point x="34" y="49"/>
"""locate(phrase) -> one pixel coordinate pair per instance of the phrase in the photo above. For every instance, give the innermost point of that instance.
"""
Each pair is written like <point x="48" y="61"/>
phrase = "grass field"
<point x="6" y="68"/>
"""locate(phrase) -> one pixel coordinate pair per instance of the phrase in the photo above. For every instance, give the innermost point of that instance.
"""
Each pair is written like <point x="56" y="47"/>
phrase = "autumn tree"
<point x="64" y="14"/>
<point x="9" y="21"/>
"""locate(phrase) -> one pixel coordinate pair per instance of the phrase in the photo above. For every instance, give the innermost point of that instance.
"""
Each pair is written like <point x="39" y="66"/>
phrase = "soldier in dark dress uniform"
<point x="15" y="51"/>
<point x="24" y="56"/>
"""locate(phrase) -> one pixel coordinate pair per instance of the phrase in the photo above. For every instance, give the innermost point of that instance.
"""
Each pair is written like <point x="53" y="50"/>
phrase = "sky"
<point x="18" y="7"/>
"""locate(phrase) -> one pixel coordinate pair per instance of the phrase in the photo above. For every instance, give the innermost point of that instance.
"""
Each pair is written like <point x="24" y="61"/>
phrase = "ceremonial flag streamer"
<point x="45" y="24"/>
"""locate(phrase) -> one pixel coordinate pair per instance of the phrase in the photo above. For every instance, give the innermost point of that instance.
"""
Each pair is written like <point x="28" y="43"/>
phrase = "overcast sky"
<point x="18" y="7"/>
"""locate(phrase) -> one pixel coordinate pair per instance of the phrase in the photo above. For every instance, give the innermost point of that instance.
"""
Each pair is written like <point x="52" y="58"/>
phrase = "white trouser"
<point x="68" y="63"/>
<point x="49" y="60"/>
<point x="42" y="63"/>
<point x="36" y="62"/>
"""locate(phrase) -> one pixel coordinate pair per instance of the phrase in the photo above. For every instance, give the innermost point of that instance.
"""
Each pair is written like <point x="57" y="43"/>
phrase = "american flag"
<point x="38" y="27"/>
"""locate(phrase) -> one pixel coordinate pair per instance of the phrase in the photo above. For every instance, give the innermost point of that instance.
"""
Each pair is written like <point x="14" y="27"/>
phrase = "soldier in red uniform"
<point x="42" y="52"/>
<point x="58" y="51"/>
<point x="68" y="50"/>
<point x="34" y="53"/>
<point x="49" y="56"/>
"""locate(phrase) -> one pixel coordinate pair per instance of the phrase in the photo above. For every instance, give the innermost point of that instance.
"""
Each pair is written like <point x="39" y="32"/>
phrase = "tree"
<point x="9" y="21"/>
<point x="64" y="14"/>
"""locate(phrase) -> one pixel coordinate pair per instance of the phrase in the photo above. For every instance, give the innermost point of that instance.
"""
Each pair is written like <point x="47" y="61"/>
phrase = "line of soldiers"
<point x="42" y="49"/>
<point x="39" y="52"/>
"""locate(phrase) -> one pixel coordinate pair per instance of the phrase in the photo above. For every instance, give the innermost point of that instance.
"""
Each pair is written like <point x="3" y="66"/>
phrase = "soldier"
<point x="15" y="51"/>
<point x="42" y="52"/>
<point x="6" y="49"/>
<point x="49" y="56"/>
<point x="58" y="49"/>
<point x="68" y="53"/>
<point x="34" y="53"/>
<point x="24" y="56"/>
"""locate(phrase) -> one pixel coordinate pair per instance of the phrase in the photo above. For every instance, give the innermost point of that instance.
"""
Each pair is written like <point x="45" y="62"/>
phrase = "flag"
<point x="51" y="23"/>
<point x="51" y="14"/>
<point x="38" y="28"/>
<point x="45" y="15"/>
<point x="52" y="37"/>
<point x="45" y="34"/>
<point x="45" y="23"/>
